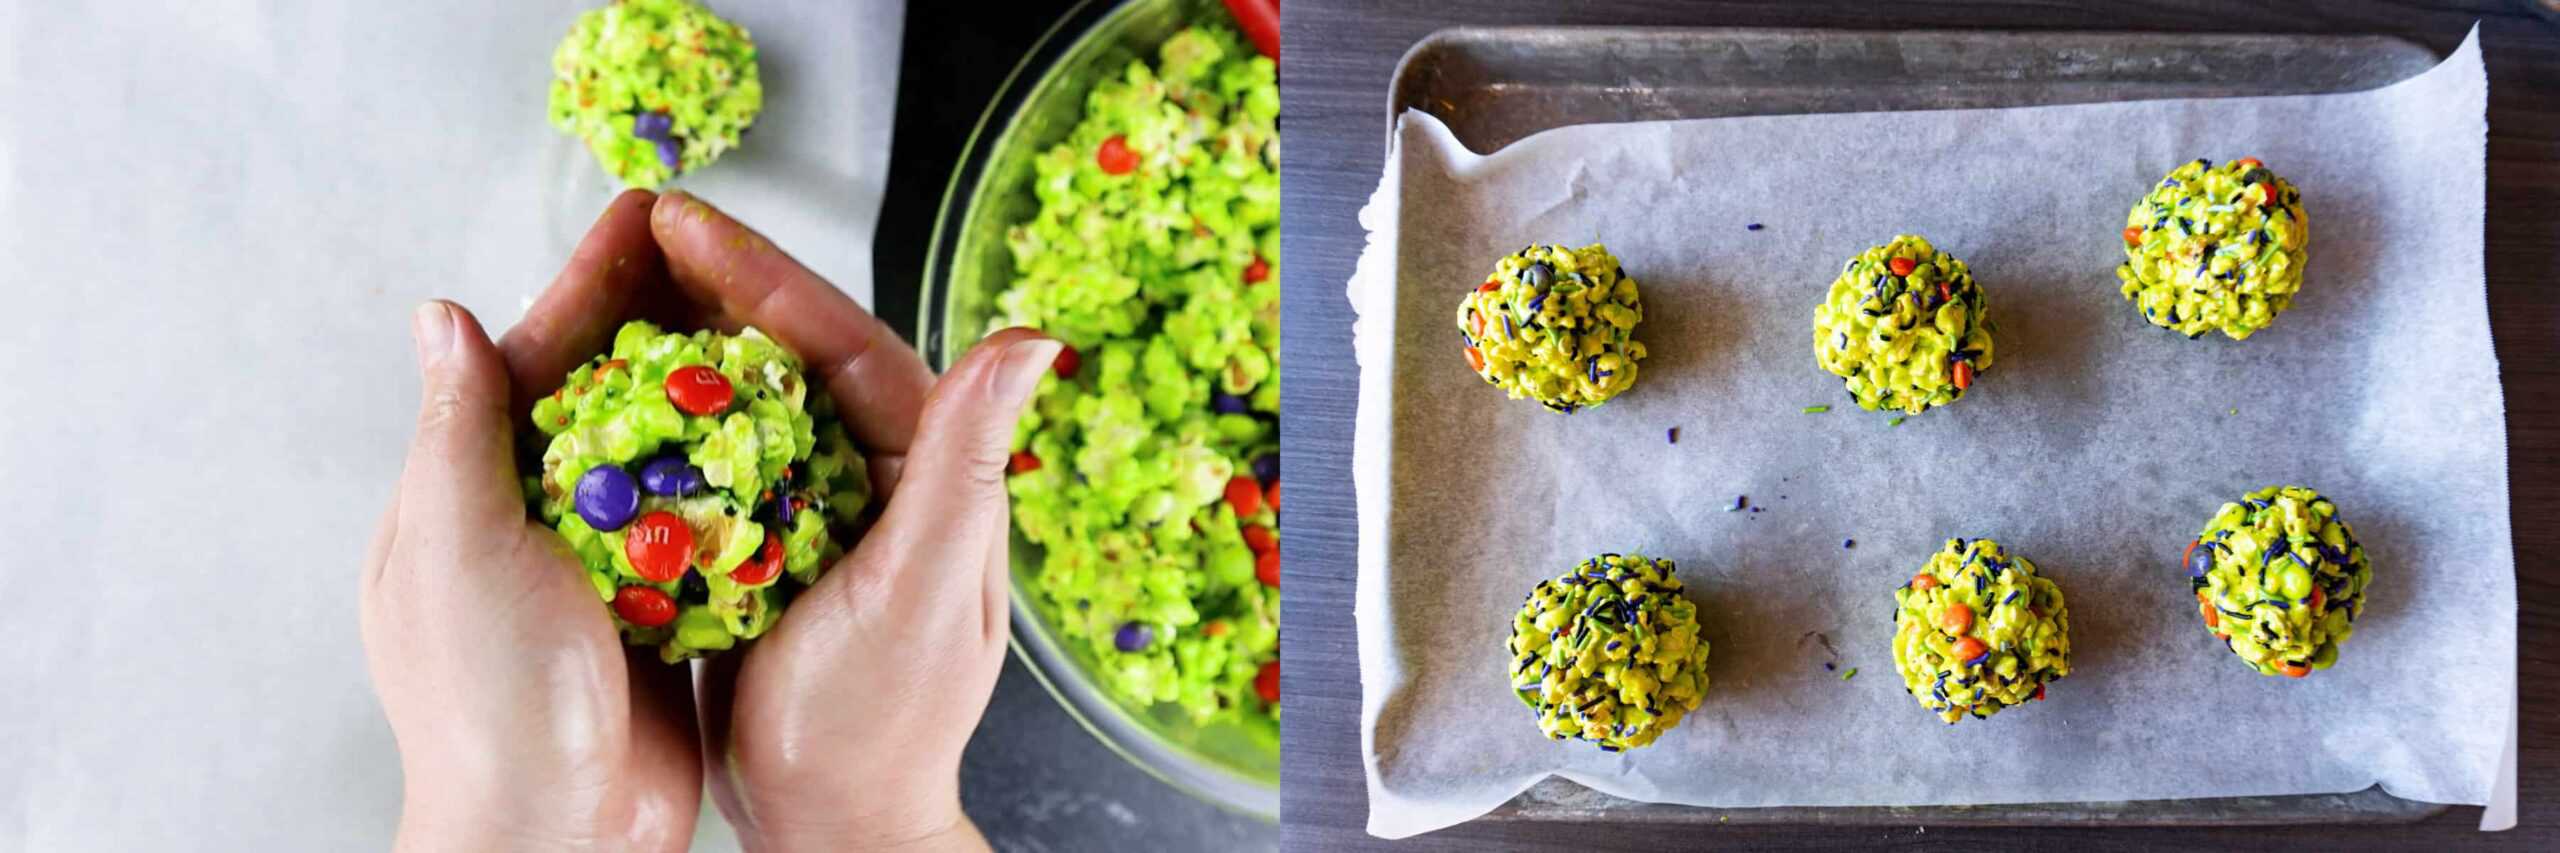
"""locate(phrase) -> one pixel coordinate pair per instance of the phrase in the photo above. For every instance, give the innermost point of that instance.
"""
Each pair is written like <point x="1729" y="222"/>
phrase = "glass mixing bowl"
<point x="1234" y="765"/>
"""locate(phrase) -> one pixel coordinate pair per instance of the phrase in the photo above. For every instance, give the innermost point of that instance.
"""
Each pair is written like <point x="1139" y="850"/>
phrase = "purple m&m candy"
<point x="652" y="126"/>
<point x="671" y="477"/>
<point x="671" y="154"/>
<point x="607" y="498"/>
<point x="1266" y="467"/>
<point x="2199" y="559"/>
<point x="1133" y="636"/>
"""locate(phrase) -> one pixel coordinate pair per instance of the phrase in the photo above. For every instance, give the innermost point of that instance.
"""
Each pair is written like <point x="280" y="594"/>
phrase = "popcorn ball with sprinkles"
<point x="2215" y="248"/>
<point x="655" y="87"/>
<point x="2279" y="578"/>
<point x="1977" y="630"/>
<point x="1904" y="327"/>
<point x="1555" y="325"/>
<point x="1609" y="652"/>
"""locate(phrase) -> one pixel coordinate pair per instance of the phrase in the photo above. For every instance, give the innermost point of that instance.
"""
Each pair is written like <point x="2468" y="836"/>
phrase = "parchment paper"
<point x="2097" y="446"/>
<point x="216" y="218"/>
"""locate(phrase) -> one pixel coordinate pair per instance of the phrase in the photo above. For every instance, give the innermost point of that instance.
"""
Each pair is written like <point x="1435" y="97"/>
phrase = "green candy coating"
<point x="2215" y="248"/>
<point x="1609" y="652"/>
<point x="1899" y="340"/>
<point x="671" y="58"/>
<point x="1979" y="598"/>
<point x="776" y="441"/>
<point x="1557" y="327"/>
<point x="2285" y="582"/>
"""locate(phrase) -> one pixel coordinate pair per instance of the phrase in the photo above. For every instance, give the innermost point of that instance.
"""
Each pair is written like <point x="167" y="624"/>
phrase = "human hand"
<point x="523" y="722"/>
<point x="842" y="728"/>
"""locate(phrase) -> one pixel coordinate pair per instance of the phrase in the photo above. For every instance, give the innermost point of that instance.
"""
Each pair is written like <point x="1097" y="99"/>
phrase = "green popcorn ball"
<point x="1147" y="468"/>
<point x="1977" y="630"/>
<point x="699" y="481"/>
<point x="1555" y="325"/>
<point x="1609" y="652"/>
<point x="2215" y="247"/>
<point x="2279" y="578"/>
<point x="1904" y="327"/>
<point x="655" y="87"/>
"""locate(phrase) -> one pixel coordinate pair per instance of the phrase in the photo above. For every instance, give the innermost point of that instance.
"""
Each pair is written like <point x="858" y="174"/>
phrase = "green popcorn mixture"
<point x="1977" y="630"/>
<point x="1609" y="652"/>
<point x="1555" y="325"/>
<point x="698" y="480"/>
<point x="2280" y="578"/>
<point x="655" y="87"/>
<point x="2215" y="247"/>
<point x="1904" y="327"/>
<point x="1148" y="468"/>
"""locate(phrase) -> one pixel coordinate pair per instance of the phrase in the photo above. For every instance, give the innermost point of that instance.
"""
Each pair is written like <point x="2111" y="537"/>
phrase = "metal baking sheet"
<point x="1496" y="85"/>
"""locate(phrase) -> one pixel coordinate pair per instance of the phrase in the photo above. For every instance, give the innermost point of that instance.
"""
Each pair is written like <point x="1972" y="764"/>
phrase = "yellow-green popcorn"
<point x="1147" y="469"/>
<point x="655" y="87"/>
<point x="699" y="481"/>
<point x="2215" y="247"/>
<point x="1904" y="327"/>
<point x="1555" y="325"/>
<point x="1609" y="652"/>
<point x="1977" y="630"/>
<point x="2280" y="578"/>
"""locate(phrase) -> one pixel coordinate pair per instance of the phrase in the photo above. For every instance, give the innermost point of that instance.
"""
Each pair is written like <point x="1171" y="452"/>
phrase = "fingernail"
<point x="1019" y="374"/>
<point x="431" y="329"/>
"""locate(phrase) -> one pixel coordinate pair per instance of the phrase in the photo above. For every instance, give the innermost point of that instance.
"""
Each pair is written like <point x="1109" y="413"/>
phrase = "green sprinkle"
<point x="1852" y="673"/>
<point x="1816" y="410"/>
<point x="1893" y="423"/>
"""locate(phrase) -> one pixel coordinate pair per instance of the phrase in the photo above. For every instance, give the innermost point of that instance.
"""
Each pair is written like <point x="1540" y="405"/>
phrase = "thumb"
<point x="460" y="472"/>
<point x="950" y="503"/>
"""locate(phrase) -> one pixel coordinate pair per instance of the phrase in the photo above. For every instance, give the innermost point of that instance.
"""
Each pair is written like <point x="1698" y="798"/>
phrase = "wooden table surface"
<point x="1339" y="57"/>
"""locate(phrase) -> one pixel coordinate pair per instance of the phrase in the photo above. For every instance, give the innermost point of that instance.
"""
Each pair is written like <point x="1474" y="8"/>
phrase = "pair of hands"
<point x="524" y="722"/>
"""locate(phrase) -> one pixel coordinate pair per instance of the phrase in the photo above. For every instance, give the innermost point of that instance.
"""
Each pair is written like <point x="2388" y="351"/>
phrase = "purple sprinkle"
<point x="1508" y="330"/>
<point x="1672" y="435"/>
<point x="1978" y="659"/>
<point x="1740" y="501"/>
<point x="670" y="154"/>
<point x="1226" y="404"/>
<point x="1827" y="666"/>
<point x="1535" y="302"/>
<point x="1752" y="227"/>
<point x="2013" y="596"/>
<point x="1848" y="543"/>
